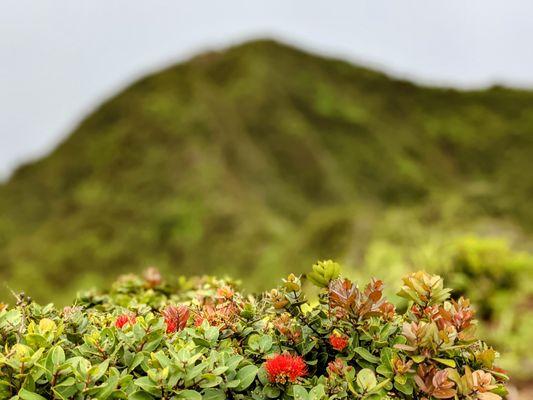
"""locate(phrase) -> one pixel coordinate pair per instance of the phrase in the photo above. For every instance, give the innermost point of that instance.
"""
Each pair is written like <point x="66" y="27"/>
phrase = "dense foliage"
<point x="203" y="338"/>
<point x="499" y="282"/>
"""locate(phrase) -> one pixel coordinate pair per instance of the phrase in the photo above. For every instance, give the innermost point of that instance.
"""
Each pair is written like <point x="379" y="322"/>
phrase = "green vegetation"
<point x="258" y="160"/>
<point x="146" y="339"/>
<point x="500" y="283"/>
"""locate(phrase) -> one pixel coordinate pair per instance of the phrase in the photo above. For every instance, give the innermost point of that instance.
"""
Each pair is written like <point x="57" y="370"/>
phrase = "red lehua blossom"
<point x="284" y="367"/>
<point x="338" y="342"/>
<point x="176" y="318"/>
<point x="124" y="319"/>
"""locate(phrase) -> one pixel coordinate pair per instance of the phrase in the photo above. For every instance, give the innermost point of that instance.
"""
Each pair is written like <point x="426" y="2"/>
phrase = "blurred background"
<point x="251" y="139"/>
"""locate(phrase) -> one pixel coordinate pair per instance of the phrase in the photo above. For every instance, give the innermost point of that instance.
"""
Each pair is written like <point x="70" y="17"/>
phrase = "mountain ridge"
<point x="211" y="164"/>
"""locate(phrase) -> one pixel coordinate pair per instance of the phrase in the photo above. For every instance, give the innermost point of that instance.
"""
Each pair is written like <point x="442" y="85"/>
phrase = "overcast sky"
<point x="60" y="58"/>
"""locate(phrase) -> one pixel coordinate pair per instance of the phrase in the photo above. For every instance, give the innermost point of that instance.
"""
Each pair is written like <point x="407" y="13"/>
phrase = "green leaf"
<point x="366" y="355"/>
<point x="190" y="395"/>
<point x="35" y="340"/>
<point x="385" y="371"/>
<point x="27" y="395"/>
<point x="140" y="395"/>
<point x="299" y="393"/>
<point x="146" y="384"/>
<point x="201" y="342"/>
<point x="233" y="361"/>
<point x="401" y="379"/>
<point x="446" y="361"/>
<point x="383" y="384"/>
<point x="418" y="359"/>
<point x="10" y="318"/>
<point x="366" y="379"/>
<point x="406" y="388"/>
<point x="211" y="334"/>
<point x="214" y="394"/>
<point x="271" y="392"/>
<point x="110" y="385"/>
<point x="386" y="357"/>
<point x="317" y="392"/>
<point x="66" y="388"/>
<point x="210" y="380"/>
<point x="58" y="355"/>
<point x="163" y="360"/>
<point x="265" y="344"/>
<point x="246" y="375"/>
<point x="97" y="371"/>
<point x="233" y="383"/>
<point x="253" y="342"/>
<point x="137" y="360"/>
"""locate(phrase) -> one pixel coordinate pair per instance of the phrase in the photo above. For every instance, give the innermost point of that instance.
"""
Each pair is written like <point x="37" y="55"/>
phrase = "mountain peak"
<point x="258" y="156"/>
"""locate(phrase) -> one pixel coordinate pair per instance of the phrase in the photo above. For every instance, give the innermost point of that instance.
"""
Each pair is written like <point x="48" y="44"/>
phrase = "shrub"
<point x="490" y="274"/>
<point x="499" y="282"/>
<point x="147" y="339"/>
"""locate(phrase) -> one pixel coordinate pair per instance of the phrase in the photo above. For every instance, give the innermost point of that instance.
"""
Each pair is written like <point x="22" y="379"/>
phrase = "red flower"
<point x="284" y="367"/>
<point x="338" y="342"/>
<point x="176" y="318"/>
<point x="124" y="319"/>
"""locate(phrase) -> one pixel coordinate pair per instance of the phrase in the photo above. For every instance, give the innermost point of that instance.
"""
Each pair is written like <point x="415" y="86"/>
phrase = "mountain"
<point x="263" y="157"/>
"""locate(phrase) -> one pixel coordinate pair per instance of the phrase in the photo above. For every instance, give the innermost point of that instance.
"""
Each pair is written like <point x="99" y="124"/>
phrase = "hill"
<point x="263" y="155"/>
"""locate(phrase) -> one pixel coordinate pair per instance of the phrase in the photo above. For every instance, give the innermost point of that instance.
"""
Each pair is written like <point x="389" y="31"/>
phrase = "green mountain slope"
<point x="259" y="156"/>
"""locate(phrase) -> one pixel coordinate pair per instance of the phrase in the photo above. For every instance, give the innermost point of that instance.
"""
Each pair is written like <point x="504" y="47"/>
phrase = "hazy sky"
<point x="60" y="58"/>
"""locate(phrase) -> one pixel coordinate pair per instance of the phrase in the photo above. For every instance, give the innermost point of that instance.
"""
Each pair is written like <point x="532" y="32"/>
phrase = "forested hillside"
<point x="263" y="156"/>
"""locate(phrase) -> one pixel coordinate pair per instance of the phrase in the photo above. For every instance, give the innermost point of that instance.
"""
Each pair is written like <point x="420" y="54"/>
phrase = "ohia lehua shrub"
<point x="204" y="339"/>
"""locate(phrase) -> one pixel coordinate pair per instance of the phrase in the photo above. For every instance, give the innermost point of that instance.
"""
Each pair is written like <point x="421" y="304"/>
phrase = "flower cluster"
<point x="283" y="368"/>
<point x="338" y="342"/>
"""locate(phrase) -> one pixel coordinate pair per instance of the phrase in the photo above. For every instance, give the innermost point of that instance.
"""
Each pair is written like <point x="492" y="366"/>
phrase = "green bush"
<point x="498" y="281"/>
<point x="490" y="274"/>
<point x="202" y="338"/>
